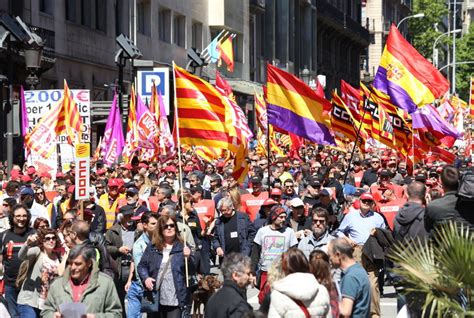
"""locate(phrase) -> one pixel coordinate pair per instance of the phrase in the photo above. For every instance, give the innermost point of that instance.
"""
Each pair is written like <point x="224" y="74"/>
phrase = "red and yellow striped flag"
<point x="226" y="50"/>
<point x="342" y="120"/>
<point x="203" y="116"/>
<point x="62" y="119"/>
<point x="69" y="119"/>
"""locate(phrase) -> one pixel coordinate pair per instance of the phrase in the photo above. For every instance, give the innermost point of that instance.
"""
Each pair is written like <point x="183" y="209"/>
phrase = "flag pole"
<point x="357" y="138"/>
<point x="180" y="169"/>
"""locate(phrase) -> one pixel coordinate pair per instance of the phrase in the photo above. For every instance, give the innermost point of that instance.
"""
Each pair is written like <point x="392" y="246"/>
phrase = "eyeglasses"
<point x="6" y="205"/>
<point x="316" y="221"/>
<point x="98" y="188"/>
<point x="375" y="162"/>
<point x="41" y="192"/>
<point x="136" y="180"/>
<point x="367" y="201"/>
<point x="168" y="226"/>
<point x="289" y="186"/>
<point x="49" y="238"/>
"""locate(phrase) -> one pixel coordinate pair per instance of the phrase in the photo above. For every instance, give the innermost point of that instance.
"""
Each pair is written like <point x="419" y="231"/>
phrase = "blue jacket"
<point x="150" y="263"/>
<point x="243" y="229"/>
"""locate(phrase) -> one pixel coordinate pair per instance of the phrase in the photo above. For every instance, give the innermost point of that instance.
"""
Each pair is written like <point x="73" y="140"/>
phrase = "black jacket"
<point x="409" y="222"/>
<point x="440" y="211"/>
<point x="243" y="229"/>
<point x="369" y="177"/>
<point x="229" y="301"/>
<point x="377" y="246"/>
<point x="98" y="222"/>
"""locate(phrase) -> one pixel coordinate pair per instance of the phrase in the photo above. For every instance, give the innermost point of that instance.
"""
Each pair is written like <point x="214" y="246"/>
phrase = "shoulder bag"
<point x="151" y="298"/>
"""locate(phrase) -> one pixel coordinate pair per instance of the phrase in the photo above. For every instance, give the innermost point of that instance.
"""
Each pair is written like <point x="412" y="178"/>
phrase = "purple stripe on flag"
<point x="113" y="135"/>
<point x="300" y="126"/>
<point x="428" y="117"/>
<point x="398" y="95"/>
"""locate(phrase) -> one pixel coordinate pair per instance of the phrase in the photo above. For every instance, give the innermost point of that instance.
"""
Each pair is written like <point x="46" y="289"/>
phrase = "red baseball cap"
<point x="59" y="175"/>
<point x="113" y="183"/>
<point x="170" y="169"/>
<point x="143" y="165"/>
<point x="25" y="178"/>
<point x="268" y="202"/>
<point x="31" y="170"/>
<point x="100" y="172"/>
<point x="275" y="191"/>
<point x="367" y="196"/>
<point x="45" y="174"/>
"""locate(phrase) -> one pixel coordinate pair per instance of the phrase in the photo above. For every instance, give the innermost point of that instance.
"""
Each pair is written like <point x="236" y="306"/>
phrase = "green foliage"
<point x="423" y="34"/>
<point x="439" y="273"/>
<point x="464" y="52"/>
<point x="422" y="31"/>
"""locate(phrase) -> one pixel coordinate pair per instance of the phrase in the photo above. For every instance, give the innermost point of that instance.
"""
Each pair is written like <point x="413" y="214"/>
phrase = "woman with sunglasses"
<point x="163" y="264"/>
<point x="41" y="250"/>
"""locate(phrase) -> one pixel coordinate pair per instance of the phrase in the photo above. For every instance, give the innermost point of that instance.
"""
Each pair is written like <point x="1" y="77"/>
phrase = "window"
<point x="144" y="18"/>
<point x="46" y="6"/>
<point x="101" y="15"/>
<point x="86" y="11"/>
<point x="179" y="30"/>
<point x="71" y="10"/>
<point x="197" y="35"/>
<point x="164" y="25"/>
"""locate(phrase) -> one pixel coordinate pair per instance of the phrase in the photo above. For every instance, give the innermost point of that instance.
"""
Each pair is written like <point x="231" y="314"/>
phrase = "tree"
<point x="464" y="52"/>
<point x="423" y="34"/>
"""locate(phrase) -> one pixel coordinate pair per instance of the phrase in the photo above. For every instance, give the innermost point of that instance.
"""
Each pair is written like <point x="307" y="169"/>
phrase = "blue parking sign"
<point x="160" y="75"/>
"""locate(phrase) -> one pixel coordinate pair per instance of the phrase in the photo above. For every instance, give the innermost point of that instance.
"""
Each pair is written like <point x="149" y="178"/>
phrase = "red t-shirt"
<point x="78" y="290"/>
<point x="390" y="209"/>
<point x="251" y="204"/>
<point x="205" y="208"/>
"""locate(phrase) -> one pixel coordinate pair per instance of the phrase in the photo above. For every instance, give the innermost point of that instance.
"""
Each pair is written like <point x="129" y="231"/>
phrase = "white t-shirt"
<point x="273" y="244"/>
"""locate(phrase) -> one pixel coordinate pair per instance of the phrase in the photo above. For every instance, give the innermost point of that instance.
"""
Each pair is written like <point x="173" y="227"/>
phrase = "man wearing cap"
<point x="370" y="175"/>
<point x="134" y="286"/>
<point x="27" y="197"/>
<point x="270" y="242"/>
<point x="289" y="190"/>
<point x="132" y="199"/>
<point x="262" y="218"/>
<point x="251" y="202"/>
<point x="231" y="231"/>
<point x="319" y="238"/>
<point x="384" y="184"/>
<point x="326" y="201"/>
<point x="357" y="172"/>
<point x="297" y="220"/>
<point x="311" y="193"/>
<point x="119" y="242"/>
<point x="392" y="167"/>
<point x="109" y="201"/>
<point x="356" y="227"/>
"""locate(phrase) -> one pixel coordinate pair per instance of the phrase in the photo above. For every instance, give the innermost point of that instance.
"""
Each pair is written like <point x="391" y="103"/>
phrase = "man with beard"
<point x="270" y="242"/>
<point x="109" y="202"/>
<point x="132" y="199"/>
<point x="320" y="237"/>
<point x="27" y="197"/>
<point x="10" y="242"/>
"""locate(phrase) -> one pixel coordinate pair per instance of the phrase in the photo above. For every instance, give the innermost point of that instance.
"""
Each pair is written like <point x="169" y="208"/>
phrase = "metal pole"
<point x="454" y="49"/>
<point x="10" y="128"/>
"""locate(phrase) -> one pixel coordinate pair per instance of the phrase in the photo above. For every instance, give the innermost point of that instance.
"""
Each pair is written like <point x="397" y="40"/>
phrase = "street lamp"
<point x="415" y="16"/>
<point x="305" y="74"/>
<point x="435" y="60"/>
<point x="33" y="63"/>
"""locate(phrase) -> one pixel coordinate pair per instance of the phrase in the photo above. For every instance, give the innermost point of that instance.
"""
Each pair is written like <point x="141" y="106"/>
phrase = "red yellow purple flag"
<point x="406" y="76"/>
<point x="296" y="108"/>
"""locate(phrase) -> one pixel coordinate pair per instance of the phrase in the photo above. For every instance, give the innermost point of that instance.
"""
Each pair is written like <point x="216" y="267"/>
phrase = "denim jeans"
<point x="11" y="295"/>
<point x="26" y="311"/>
<point x="134" y="299"/>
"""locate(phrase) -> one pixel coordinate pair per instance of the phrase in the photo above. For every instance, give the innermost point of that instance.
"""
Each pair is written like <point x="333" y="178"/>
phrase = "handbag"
<point x="151" y="298"/>
<point x="303" y="308"/>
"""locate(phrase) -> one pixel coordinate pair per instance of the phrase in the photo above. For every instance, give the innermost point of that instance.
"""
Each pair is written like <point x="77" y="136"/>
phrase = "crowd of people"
<point x="306" y="231"/>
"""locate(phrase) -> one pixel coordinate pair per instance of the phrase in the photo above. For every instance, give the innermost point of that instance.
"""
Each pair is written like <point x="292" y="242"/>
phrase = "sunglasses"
<point x="375" y="162"/>
<point x="168" y="226"/>
<point x="367" y="201"/>
<point x="39" y="192"/>
<point x="6" y="205"/>
<point x="319" y="221"/>
<point x="49" y="238"/>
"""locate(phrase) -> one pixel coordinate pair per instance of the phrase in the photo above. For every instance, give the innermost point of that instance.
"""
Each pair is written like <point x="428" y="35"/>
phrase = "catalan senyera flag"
<point x="296" y="108"/>
<point x="203" y="116"/>
<point x="406" y="76"/>
<point x="471" y="98"/>
<point x="69" y="119"/>
<point x="226" y="51"/>
<point x="261" y="111"/>
<point x="64" y="118"/>
<point x="342" y="120"/>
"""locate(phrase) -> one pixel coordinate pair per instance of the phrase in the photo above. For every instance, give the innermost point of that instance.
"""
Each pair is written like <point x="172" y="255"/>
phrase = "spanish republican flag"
<point x="471" y="98"/>
<point x="294" y="107"/>
<point x="406" y="76"/>
<point x="226" y="51"/>
<point x="203" y="116"/>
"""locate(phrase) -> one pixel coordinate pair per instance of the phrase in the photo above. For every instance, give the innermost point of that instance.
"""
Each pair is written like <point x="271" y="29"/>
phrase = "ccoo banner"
<point x="82" y="183"/>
